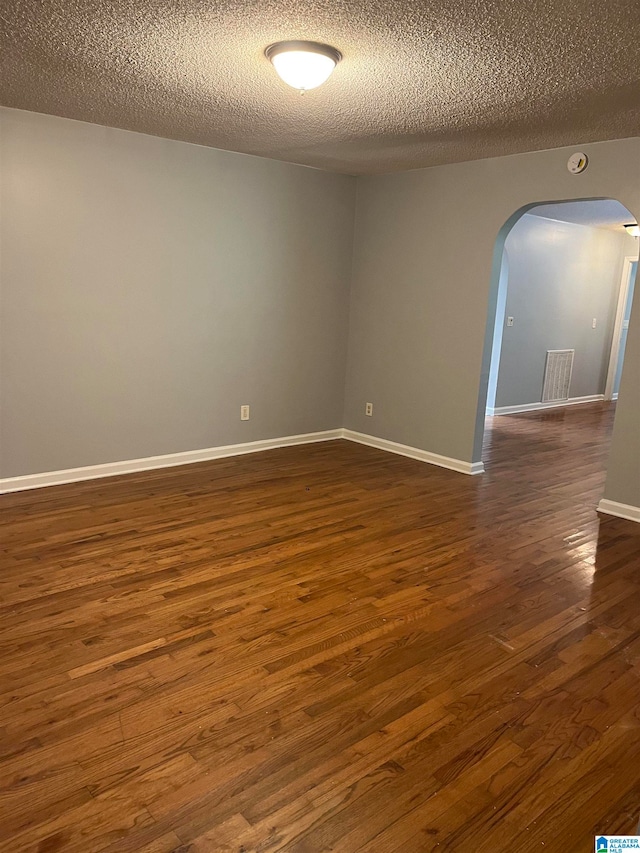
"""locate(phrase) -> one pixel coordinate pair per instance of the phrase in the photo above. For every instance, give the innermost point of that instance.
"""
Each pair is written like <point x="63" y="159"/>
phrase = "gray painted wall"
<point x="630" y="276"/>
<point x="501" y="311"/>
<point x="561" y="277"/>
<point x="623" y="471"/>
<point x="426" y="268"/>
<point x="151" y="287"/>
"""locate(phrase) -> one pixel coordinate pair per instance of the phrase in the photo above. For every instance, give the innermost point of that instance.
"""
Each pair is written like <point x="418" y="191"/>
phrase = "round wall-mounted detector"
<point x="578" y="162"/>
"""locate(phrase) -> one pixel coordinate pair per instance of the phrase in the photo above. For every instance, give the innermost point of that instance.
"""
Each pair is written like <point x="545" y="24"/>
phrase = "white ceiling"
<point x="601" y="213"/>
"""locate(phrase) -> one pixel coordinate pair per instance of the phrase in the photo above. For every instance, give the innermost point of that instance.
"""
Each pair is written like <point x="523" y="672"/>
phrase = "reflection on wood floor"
<point x="325" y="648"/>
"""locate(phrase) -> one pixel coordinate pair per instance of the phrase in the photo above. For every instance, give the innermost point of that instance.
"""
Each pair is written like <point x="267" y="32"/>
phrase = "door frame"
<point x="617" y="327"/>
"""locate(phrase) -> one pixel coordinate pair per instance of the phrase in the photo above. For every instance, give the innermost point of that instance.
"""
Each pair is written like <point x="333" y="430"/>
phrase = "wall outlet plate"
<point x="368" y="409"/>
<point x="244" y="413"/>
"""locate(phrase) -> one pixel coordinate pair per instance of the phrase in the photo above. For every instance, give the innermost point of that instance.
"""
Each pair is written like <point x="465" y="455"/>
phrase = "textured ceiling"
<point x="605" y="213"/>
<point x="421" y="83"/>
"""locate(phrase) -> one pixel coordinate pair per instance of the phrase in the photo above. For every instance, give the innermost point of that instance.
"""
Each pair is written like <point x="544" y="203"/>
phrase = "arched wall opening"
<point x="553" y="241"/>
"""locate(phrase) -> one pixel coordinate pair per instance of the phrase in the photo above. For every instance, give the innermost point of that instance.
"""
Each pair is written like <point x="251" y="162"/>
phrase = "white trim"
<point x="151" y="463"/>
<point x="631" y="513"/>
<point x="617" y="327"/>
<point x="414" y="453"/>
<point x="188" y="457"/>
<point x="554" y="404"/>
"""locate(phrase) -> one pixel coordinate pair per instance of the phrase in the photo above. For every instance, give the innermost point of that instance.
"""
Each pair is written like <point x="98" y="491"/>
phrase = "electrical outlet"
<point x="509" y="321"/>
<point x="244" y="413"/>
<point x="594" y="322"/>
<point x="368" y="409"/>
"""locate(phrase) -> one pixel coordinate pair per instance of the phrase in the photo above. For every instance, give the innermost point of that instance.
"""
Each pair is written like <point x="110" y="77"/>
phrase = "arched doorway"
<point x="561" y="293"/>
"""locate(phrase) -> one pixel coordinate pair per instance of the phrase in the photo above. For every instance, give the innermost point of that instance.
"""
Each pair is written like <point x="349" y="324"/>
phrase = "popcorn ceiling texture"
<point x="421" y="83"/>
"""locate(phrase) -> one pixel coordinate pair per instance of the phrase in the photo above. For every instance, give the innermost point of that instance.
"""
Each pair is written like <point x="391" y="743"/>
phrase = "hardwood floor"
<point x="325" y="648"/>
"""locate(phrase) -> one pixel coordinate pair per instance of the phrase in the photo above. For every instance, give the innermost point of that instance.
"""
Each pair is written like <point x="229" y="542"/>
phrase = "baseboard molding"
<point x="534" y="407"/>
<point x="627" y="511"/>
<point x="188" y="457"/>
<point x="414" y="453"/>
<point x="150" y="463"/>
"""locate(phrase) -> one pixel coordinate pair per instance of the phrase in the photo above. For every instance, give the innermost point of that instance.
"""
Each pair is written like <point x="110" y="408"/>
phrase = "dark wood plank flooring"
<point x="325" y="648"/>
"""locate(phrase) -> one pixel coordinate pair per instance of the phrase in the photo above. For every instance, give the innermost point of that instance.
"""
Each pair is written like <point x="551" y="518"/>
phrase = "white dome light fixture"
<point x="303" y="65"/>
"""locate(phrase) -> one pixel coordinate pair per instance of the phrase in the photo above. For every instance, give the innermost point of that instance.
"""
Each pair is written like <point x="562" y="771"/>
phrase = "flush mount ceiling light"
<point x="634" y="230"/>
<point x="303" y="65"/>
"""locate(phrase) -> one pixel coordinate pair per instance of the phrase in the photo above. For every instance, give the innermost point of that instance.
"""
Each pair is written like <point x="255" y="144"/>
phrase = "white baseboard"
<point x="150" y="463"/>
<point x="170" y="460"/>
<point x="414" y="453"/>
<point x="534" y="407"/>
<point x="627" y="511"/>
